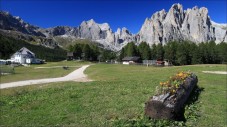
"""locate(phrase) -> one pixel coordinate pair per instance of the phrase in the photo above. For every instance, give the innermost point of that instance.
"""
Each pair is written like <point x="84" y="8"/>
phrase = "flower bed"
<point x="171" y="96"/>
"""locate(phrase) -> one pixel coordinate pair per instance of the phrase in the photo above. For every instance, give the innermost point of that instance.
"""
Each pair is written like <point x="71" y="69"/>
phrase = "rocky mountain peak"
<point x="125" y="30"/>
<point x="104" y="26"/>
<point x="91" y="22"/>
<point x="175" y="15"/>
<point x="6" y="13"/>
<point x="159" y="15"/>
<point x="17" y="17"/>
<point x="195" y="8"/>
<point x="178" y="24"/>
<point x="203" y="11"/>
<point x="176" y="6"/>
<point x="118" y="31"/>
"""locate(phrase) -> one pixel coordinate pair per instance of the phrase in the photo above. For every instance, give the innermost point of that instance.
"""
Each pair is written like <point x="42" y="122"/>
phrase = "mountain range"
<point x="176" y="24"/>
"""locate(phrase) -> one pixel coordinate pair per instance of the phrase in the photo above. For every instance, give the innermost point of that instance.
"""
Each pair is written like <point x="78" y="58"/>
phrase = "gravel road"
<point x="77" y="75"/>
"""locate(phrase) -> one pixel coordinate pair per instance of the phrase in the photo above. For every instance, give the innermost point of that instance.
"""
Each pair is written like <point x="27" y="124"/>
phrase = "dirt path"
<point x="216" y="72"/>
<point x="77" y="75"/>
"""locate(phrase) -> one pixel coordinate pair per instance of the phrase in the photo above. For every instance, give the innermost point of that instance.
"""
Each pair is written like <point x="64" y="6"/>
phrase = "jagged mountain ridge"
<point x="176" y="24"/>
<point x="101" y="33"/>
<point x="15" y="23"/>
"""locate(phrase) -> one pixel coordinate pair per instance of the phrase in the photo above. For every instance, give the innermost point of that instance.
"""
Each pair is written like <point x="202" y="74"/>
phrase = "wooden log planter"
<point x="171" y="96"/>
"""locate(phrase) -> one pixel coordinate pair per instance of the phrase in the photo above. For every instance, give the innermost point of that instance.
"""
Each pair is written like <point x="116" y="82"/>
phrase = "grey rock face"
<point x="123" y="35"/>
<point x="178" y="24"/>
<point x="90" y="30"/>
<point x="220" y="31"/>
<point x="59" y="30"/>
<point x="103" y="34"/>
<point x="197" y="25"/>
<point x="96" y="32"/>
<point x="152" y="30"/>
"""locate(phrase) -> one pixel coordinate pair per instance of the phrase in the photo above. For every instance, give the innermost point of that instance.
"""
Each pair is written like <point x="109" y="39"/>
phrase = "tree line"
<point x="9" y="46"/>
<point x="91" y="52"/>
<point x="179" y="53"/>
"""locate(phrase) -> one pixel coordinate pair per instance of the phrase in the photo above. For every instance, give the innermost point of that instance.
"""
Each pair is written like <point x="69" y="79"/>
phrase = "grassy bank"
<point x="48" y="70"/>
<point x="117" y="94"/>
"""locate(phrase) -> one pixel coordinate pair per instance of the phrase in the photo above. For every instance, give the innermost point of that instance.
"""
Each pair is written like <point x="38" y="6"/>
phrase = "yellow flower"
<point x="181" y="74"/>
<point x="173" y="91"/>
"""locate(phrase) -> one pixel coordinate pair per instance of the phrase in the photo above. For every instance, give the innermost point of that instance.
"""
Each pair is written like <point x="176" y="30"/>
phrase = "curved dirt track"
<point x="77" y="75"/>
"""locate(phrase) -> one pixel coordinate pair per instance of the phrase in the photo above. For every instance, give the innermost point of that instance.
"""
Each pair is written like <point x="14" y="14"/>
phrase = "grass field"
<point x="34" y="72"/>
<point x="118" y="94"/>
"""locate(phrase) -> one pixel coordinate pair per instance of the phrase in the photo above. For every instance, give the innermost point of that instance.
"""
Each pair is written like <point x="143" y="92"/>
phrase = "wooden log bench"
<point x="167" y="106"/>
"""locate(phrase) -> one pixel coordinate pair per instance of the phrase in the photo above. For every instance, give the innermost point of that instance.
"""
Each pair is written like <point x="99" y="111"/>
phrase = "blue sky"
<point x="118" y="13"/>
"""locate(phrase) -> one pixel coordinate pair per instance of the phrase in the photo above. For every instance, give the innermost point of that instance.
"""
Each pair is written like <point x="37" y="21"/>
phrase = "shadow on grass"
<point x="191" y="101"/>
<point x="194" y="96"/>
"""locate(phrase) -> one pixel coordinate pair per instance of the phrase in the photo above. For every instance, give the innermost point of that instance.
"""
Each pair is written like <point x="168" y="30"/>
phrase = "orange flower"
<point x="161" y="83"/>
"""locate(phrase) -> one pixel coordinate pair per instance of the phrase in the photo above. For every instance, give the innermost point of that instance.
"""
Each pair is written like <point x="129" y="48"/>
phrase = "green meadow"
<point x="116" y="97"/>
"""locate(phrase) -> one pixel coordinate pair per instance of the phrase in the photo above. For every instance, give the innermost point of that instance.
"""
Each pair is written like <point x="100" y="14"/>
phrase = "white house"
<point x="2" y="62"/>
<point x="25" y="56"/>
<point x="130" y="60"/>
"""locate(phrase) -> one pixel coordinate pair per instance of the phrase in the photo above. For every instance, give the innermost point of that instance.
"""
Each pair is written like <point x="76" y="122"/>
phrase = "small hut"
<point x="131" y="60"/>
<point x="70" y="56"/>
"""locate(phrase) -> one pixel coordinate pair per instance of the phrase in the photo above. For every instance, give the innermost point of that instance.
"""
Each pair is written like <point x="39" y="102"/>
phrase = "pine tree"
<point x="222" y="52"/>
<point x="86" y="52"/>
<point x="181" y="54"/>
<point x="154" y="52"/>
<point x="122" y="54"/>
<point x="196" y="54"/>
<point x="71" y="48"/>
<point x="213" y="53"/>
<point x="204" y="52"/>
<point x="77" y="49"/>
<point x="131" y="49"/>
<point x="170" y="51"/>
<point x="160" y="52"/>
<point x="94" y="52"/>
<point x="144" y="51"/>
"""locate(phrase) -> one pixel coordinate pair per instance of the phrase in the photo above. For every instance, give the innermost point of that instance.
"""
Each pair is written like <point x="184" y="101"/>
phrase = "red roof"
<point x="160" y="62"/>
